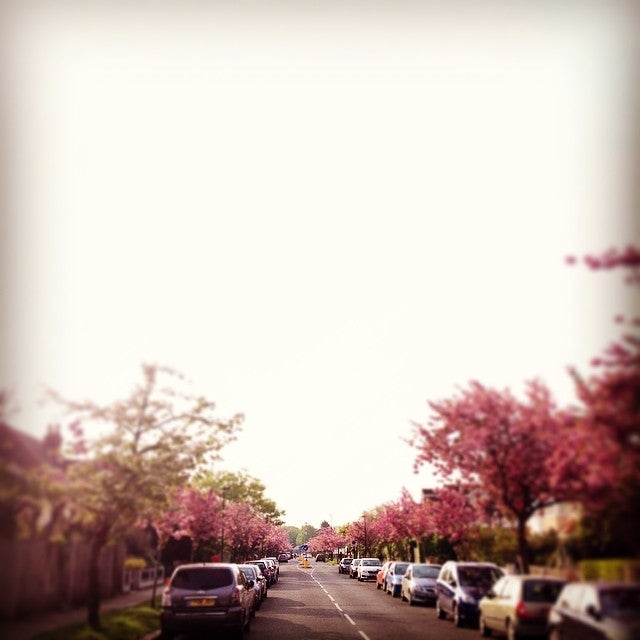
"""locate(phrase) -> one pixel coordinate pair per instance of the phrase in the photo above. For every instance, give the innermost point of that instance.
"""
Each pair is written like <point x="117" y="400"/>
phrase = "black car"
<point x="320" y="557"/>
<point x="603" y="610"/>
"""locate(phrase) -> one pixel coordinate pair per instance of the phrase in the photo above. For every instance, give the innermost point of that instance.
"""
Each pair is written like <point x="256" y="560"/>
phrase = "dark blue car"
<point x="461" y="586"/>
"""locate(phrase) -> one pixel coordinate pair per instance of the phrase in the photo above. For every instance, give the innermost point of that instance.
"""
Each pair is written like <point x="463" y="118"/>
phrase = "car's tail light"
<point x="166" y="597"/>
<point x="235" y="596"/>
<point x="522" y="611"/>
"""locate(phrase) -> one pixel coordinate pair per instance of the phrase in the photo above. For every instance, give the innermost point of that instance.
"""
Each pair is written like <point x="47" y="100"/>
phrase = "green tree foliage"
<point x="305" y="534"/>
<point x="155" y="439"/>
<point x="241" y="487"/>
<point x="292" y="532"/>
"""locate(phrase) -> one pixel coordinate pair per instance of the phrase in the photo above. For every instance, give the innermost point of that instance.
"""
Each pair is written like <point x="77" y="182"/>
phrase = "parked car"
<point x="419" y="583"/>
<point x="206" y="597"/>
<point x="283" y="557"/>
<point x="266" y="569"/>
<point x="368" y="569"/>
<point x="275" y="568"/>
<point x="602" y="610"/>
<point x="343" y="565"/>
<point x="382" y="574"/>
<point x="320" y="557"/>
<point x="353" y="568"/>
<point x="393" y="579"/>
<point x="460" y="587"/>
<point x="259" y="584"/>
<point x="276" y="564"/>
<point x="518" y="606"/>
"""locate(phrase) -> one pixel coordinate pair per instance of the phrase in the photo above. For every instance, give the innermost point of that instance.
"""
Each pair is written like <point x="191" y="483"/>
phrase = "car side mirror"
<point x="251" y="584"/>
<point x="491" y="594"/>
<point x="593" y="611"/>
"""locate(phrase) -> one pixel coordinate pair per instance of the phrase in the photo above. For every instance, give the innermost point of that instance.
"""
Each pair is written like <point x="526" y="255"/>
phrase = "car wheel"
<point x="440" y="612"/>
<point x="457" y="619"/>
<point x="484" y="630"/>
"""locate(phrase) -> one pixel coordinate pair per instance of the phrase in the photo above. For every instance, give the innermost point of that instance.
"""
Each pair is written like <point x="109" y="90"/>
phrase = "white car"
<point x="368" y="569"/>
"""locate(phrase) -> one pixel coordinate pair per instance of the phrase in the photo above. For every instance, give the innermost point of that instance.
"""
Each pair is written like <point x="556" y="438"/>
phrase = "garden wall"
<point x="38" y="576"/>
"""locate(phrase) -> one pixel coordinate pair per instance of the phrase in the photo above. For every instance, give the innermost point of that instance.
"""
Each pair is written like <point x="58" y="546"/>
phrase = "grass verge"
<point x="131" y="623"/>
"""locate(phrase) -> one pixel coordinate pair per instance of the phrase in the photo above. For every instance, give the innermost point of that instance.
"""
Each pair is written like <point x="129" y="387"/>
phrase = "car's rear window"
<point x="425" y="572"/>
<point x="478" y="576"/>
<point x="202" y="578"/>
<point x="371" y="563"/>
<point x="541" y="591"/>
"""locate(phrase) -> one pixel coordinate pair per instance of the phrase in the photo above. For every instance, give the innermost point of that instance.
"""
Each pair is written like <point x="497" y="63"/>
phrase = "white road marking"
<point x="349" y="619"/>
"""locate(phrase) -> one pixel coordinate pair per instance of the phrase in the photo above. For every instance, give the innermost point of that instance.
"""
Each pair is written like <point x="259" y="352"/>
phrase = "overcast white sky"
<point x="325" y="214"/>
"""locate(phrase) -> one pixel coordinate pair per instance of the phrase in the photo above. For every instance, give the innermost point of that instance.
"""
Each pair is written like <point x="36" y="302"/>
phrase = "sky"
<point x="324" y="214"/>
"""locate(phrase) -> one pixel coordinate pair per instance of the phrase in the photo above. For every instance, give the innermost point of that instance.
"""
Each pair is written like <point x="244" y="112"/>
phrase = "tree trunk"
<point x="93" y="591"/>
<point x="523" y="546"/>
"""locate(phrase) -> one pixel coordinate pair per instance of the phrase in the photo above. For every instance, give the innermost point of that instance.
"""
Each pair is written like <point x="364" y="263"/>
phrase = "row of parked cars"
<point x="208" y="597"/>
<point x="481" y="594"/>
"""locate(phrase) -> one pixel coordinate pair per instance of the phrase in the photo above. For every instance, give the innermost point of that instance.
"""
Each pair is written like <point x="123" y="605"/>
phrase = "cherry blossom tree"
<point x="399" y="526"/>
<point x="497" y="449"/>
<point x="366" y="532"/>
<point x="245" y="531"/>
<point x="326" y="540"/>
<point x="195" y="514"/>
<point x="603" y="462"/>
<point x="611" y="395"/>
<point x="276" y="540"/>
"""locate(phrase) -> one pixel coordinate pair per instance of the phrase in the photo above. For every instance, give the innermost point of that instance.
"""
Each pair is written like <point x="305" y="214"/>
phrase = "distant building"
<point x="562" y="517"/>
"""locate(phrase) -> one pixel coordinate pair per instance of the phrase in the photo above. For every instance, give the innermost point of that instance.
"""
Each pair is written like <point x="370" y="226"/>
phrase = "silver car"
<point x="252" y="572"/>
<point x="206" y="597"/>
<point x="419" y="583"/>
<point x="603" y="610"/>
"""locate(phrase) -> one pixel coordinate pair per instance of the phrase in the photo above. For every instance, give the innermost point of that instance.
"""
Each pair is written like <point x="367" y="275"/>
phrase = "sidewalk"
<point x="27" y="628"/>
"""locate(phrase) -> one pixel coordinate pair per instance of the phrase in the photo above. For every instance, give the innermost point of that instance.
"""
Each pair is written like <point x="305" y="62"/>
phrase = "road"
<point x="321" y="604"/>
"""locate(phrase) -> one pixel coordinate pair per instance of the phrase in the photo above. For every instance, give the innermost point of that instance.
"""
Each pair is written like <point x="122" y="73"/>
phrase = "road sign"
<point x="304" y="547"/>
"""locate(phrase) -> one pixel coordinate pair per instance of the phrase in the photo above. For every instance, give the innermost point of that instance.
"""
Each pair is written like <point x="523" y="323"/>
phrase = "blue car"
<point x="461" y="586"/>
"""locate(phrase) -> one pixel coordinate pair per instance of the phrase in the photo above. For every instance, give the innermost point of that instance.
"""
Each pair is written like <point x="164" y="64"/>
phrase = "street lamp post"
<point x="366" y="549"/>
